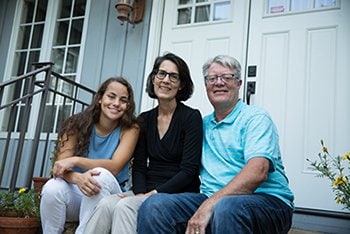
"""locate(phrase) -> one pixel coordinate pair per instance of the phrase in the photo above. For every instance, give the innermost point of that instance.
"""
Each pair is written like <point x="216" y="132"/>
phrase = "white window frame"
<point x="46" y="48"/>
<point x="288" y="11"/>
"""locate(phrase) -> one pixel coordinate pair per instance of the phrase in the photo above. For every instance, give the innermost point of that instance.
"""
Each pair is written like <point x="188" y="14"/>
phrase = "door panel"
<point x="302" y="81"/>
<point x="195" y="43"/>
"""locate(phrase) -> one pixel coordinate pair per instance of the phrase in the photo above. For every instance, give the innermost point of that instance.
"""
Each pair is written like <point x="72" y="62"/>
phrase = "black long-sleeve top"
<point x="170" y="164"/>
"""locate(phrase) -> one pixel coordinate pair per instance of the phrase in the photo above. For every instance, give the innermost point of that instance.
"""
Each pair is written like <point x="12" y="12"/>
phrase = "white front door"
<point x="196" y="31"/>
<point x="301" y="59"/>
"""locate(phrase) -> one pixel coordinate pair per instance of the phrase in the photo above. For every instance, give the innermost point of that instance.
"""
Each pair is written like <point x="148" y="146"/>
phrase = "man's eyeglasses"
<point x="174" y="77"/>
<point x="212" y="79"/>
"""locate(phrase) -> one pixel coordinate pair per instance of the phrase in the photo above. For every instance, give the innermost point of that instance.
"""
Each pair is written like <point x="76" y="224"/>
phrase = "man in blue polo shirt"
<point x="244" y="188"/>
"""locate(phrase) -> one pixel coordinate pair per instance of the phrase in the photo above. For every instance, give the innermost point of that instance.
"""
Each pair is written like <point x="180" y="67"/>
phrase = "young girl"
<point x="92" y="155"/>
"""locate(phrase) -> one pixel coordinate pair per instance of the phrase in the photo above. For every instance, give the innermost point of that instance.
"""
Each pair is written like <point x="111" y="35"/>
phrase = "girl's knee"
<point x="54" y="190"/>
<point x="105" y="177"/>
<point x="53" y="186"/>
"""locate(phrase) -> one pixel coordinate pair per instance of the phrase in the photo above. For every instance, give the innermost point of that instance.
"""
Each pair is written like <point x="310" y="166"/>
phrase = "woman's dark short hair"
<point x="186" y="90"/>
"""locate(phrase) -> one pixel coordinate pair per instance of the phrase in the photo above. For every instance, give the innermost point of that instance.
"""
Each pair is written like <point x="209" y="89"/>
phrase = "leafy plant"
<point x="336" y="169"/>
<point x="21" y="203"/>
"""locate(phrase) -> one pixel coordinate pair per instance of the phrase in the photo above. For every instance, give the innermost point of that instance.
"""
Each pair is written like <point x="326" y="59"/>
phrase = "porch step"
<point x="70" y="227"/>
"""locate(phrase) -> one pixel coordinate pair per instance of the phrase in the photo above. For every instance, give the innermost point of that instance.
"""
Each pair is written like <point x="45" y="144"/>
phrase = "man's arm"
<point x="251" y="176"/>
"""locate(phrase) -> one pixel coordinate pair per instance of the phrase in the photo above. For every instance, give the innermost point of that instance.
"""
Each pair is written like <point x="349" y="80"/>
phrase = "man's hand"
<point x="200" y="220"/>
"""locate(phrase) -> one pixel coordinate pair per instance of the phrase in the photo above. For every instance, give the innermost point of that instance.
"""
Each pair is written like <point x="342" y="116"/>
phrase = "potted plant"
<point x="19" y="211"/>
<point x="336" y="169"/>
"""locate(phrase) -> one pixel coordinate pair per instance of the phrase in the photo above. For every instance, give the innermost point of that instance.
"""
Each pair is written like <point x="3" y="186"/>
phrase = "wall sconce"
<point x="131" y="11"/>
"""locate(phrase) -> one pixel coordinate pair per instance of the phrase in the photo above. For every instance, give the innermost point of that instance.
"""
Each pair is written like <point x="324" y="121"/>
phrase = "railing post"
<point x="23" y="131"/>
<point x="38" y="129"/>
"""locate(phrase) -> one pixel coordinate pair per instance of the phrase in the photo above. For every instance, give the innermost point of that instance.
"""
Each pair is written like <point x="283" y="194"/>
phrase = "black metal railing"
<point x="32" y="108"/>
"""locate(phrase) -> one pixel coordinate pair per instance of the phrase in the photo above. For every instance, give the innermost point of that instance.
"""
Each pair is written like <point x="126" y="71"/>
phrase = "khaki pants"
<point x="115" y="215"/>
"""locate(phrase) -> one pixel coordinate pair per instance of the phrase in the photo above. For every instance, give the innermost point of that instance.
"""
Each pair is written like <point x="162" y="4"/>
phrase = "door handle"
<point x="250" y="90"/>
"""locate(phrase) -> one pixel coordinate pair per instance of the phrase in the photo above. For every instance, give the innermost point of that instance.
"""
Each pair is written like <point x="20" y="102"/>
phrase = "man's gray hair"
<point x="226" y="61"/>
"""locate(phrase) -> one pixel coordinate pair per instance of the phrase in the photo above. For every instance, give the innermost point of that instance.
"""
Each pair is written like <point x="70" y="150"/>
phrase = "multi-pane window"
<point x="27" y="51"/>
<point x="277" y="7"/>
<point x="30" y="35"/>
<point x="68" y="35"/>
<point x="65" y="56"/>
<point x="198" y="11"/>
<point x="62" y="23"/>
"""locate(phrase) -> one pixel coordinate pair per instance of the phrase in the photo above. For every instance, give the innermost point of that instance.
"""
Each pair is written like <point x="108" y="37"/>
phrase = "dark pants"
<point x="254" y="213"/>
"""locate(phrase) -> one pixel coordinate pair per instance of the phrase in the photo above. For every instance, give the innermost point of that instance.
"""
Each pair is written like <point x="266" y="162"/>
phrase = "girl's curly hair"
<point x="83" y="122"/>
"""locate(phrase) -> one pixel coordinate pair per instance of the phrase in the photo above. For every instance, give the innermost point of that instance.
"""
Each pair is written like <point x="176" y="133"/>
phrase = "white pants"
<point x="115" y="215"/>
<point x="61" y="201"/>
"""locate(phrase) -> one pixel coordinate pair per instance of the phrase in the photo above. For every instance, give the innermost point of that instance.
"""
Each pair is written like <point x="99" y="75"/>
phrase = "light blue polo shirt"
<point x="247" y="132"/>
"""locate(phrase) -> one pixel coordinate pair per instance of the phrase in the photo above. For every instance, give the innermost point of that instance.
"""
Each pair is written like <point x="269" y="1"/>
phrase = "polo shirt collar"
<point x="230" y="118"/>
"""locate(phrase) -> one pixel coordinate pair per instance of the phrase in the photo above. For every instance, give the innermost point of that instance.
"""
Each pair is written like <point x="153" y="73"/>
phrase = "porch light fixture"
<point x="131" y="11"/>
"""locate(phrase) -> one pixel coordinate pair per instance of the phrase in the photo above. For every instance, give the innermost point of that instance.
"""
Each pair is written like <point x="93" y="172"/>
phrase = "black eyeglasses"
<point x="174" y="77"/>
<point x="212" y="79"/>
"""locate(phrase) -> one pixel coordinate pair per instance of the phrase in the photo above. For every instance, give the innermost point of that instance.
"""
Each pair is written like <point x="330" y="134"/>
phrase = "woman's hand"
<point x="87" y="184"/>
<point x="62" y="166"/>
<point x="122" y="195"/>
<point x="150" y="193"/>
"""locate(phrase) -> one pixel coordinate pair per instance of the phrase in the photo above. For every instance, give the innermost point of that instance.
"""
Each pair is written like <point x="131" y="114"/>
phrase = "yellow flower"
<point x="334" y="168"/>
<point x="340" y="180"/>
<point x="338" y="200"/>
<point x="324" y="149"/>
<point x="22" y="190"/>
<point x="346" y="156"/>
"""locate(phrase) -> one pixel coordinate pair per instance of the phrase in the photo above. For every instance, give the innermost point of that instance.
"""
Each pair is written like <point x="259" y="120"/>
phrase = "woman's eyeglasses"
<point x="174" y="77"/>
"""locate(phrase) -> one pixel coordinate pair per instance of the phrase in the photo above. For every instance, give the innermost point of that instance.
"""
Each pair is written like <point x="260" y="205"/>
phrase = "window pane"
<point x="77" y="28"/>
<point x="222" y="11"/>
<point x="325" y="3"/>
<point x="41" y="11"/>
<point x="37" y="36"/>
<point x="57" y="57"/>
<point x="17" y="89"/>
<point x="184" y="2"/>
<point x="65" y="9"/>
<point x="23" y="37"/>
<point x="79" y="8"/>
<point x="202" y="14"/>
<point x="33" y="58"/>
<point x="277" y="6"/>
<point x="184" y="16"/>
<point x="19" y="63"/>
<point x="61" y="33"/>
<point x="67" y="88"/>
<point x="20" y="121"/>
<point x="72" y="60"/>
<point x="64" y="113"/>
<point x="25" y="88"/>
<point x="201" y="1"/>
<point x="299" y="5"/>
<point x="49" y="116"/>
<point x="8" y="118"/>
<point x="28" y="10"/>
